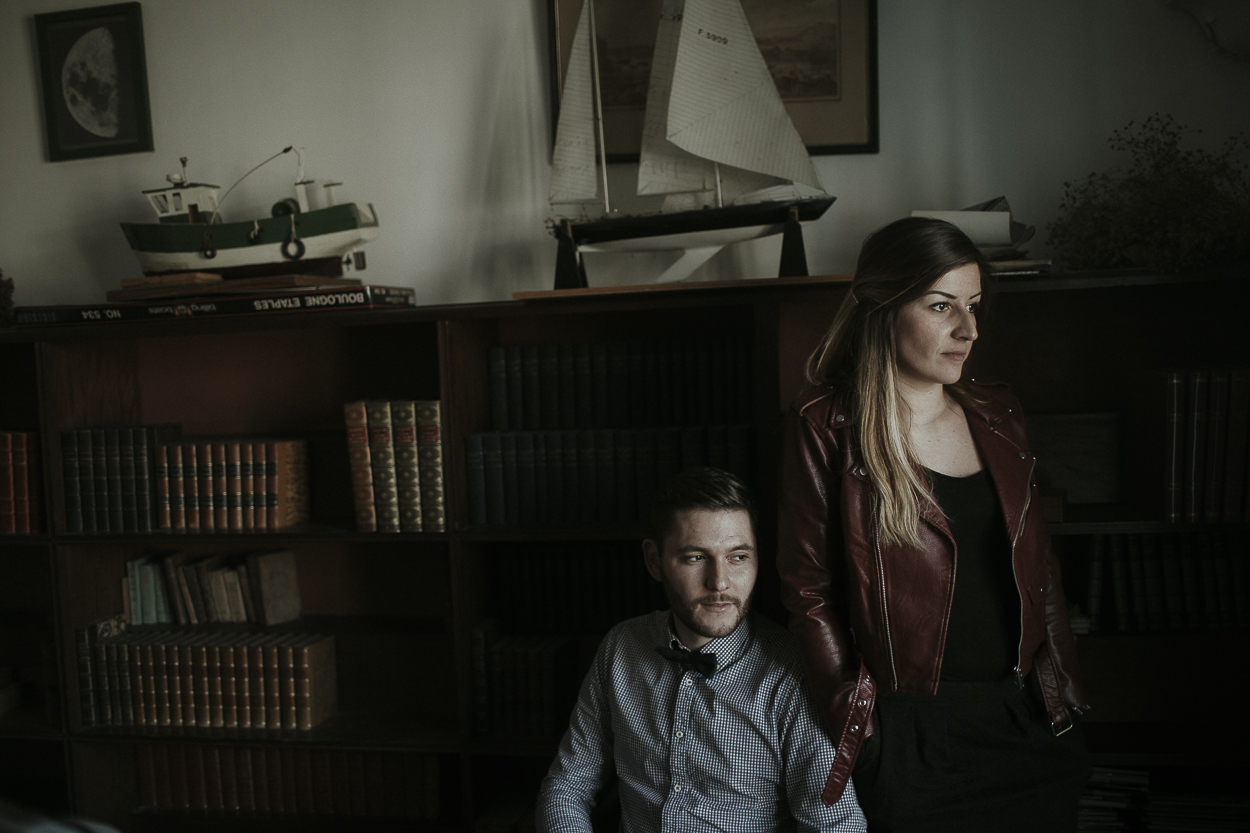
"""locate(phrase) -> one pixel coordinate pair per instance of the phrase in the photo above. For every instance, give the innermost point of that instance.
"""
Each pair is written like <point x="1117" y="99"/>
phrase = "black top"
<point x="983" y="635"/>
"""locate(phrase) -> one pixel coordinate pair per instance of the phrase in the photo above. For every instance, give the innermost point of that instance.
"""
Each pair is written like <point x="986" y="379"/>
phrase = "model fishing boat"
<point x="716" y="142"/>
<point x="190" y="234"/>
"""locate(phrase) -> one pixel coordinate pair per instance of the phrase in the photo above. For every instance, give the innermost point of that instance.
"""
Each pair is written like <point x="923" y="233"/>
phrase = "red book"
<point x="186" y="686"/>
<point x="160" y="682"/>
<point x="360" y="466"/>
<point x="23" y="494"/>
<point x="229" y="700"/>
<point x="242" y="684"/>
<point x="286" y="487"/>
<point x="273" y="697"/>
<point x="316" y="689"/>
<point x="256" y="680"/>
<point x="234" y="484"/>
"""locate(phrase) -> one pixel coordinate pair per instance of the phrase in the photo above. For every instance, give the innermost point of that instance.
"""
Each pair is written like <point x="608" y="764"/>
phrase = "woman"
<point x="916" y="564"/>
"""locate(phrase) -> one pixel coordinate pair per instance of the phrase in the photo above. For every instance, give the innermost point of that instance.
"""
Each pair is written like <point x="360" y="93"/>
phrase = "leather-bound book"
<point x="256" y="679"/>
<point x="234" y="485"/>
<point x="213" y="776"/>
<point x="204" y="478"/>
<point x="273" y="689"/>
<point x="382" y="461"/>
<point x="360" y="465"/>
<point x="229" y="694"/>
<point x="179" y="778"/>
<point x="190" y="486"/>
<point x="316" y="680"/>
<point x="86" y="479"/>
<point x="260" y="500"/>
<point x="197" y="783"/>
<point x="430" y="454"/>
<point x="246" y="486"/>
<point x="99" y="463"/>
<point x="260" y="780"/>
<point x="286" y="466"/>
<point x="160" y="680"/>
<point x="221" y="487"/>
<point x="246" y="780"/>
<point x="242" y="683"/>
<point x="274" y="581"/>
<point x="407" y="471"/>
<point x="71" y="487"/>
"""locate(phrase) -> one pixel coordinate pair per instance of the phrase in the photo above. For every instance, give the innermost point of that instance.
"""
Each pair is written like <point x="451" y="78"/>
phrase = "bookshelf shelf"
<point x="416" y="616"/>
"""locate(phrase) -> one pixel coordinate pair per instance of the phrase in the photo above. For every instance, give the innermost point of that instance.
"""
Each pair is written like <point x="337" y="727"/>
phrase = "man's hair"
<point x="703" y="487"/>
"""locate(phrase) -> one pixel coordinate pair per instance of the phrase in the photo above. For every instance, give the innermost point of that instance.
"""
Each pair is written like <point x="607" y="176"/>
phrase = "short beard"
<point x="686" y="613"/>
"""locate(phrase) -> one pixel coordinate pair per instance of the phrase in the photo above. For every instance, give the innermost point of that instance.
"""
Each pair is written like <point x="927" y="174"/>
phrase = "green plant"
<point x="1173" y="209"/>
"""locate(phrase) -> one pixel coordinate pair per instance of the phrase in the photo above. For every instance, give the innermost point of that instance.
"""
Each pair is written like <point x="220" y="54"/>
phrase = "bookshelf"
<point x="408" y="609"/>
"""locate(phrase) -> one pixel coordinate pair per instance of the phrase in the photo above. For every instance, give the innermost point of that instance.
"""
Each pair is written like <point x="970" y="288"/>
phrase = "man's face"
<point x="707" y="565"/>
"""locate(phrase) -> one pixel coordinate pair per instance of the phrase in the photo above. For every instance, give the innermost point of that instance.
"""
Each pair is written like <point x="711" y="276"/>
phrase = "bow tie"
<point x="705" y="664"/>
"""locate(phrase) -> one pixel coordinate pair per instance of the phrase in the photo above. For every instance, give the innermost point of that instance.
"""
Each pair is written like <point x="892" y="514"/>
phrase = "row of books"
<point x="571" y="587"/>
<point x="19" y="482"/>
<point x="261" y="588"/>
<point x="141" y="478"/>
<point x="395" y="449"/>
<point x="524" y="685"/>
<point x="1168" y="581"/>
<point x="635" y="384"/>
<point x="285" y="781"/>
<point x="1208" y="426"/>
<point x="604" y="475"/>
<point x="189" y="680"/>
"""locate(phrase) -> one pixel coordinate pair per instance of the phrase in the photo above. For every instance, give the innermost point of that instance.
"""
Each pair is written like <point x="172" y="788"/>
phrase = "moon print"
<point x="89" y="83"/>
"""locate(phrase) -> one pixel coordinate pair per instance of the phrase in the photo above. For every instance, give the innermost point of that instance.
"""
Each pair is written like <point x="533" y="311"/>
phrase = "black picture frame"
<point x="846" y="122"/>
<point x="94" y="78"/>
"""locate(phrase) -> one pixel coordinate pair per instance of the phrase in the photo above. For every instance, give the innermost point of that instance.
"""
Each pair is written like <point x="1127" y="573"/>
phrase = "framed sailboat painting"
<point x="822" y="55"/>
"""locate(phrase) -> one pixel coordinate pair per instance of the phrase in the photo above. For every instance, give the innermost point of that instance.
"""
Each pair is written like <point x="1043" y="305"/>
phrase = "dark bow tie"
<point x="705" y="664"/>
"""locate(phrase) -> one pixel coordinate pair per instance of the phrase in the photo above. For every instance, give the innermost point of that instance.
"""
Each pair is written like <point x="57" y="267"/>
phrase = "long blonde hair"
<point x="897" y="264"/>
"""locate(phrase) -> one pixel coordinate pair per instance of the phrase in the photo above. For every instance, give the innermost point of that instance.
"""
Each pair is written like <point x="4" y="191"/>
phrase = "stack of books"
<point x="260" y="588"/>
<point x="142" y="478"/>
<point x="999" y="237"/>
<point x="1112" y="800"/>
<point x="192" y="679"/>
<point x="395" y="449"/>
<point x="288" y="781"/>
<point x="1170" y="581"/>
<point x="19" y="482"/>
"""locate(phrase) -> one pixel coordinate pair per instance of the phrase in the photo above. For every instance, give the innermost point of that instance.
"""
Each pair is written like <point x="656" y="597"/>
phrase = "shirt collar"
<point x="728" y="649"/>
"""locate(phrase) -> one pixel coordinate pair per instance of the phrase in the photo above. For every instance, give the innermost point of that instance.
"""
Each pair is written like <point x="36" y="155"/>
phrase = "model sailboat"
<point x="717" y="143"/>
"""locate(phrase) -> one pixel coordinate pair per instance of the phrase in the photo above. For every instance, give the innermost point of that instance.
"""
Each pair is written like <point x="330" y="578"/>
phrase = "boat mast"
<point x="594" y="69"/>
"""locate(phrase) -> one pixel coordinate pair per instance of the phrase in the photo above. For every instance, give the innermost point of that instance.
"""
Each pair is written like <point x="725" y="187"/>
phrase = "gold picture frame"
<point x="822" y="54"/>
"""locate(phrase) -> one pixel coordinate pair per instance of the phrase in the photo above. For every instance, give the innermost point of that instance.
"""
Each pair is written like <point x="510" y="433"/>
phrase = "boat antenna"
<point x="287" y="149"/>
<point x="594" y="68"/>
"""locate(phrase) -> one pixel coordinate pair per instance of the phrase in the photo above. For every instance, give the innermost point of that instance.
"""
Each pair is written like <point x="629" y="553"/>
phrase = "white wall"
<point x="437" y="112"/>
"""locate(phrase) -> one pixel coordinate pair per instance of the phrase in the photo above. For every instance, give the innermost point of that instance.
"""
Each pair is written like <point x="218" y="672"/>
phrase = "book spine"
<point x="256" y="683"/>
<point x="1120" y="583"/>
<point x="221" y="488"/>
<point x="1195" y="444"/>
<point x="100" y="465"/>
<point x="234" y="485"/>
<point x="260" y="479"/>
<point x="287" y="468"/>
<point x="128" y="475"/>
<point x="204" y="469"/>
<point x="553" y="456"/>
<point x="527" y="485"/>
<point x="497" y="377"/>
<point x="164" y="501"/>
<point x="145" y="486"/>
<point x="173" y="684"/>
<point x="1137" y="582"/>
<point x="1217" y="426"/>
<point x="190" y="487"/>
<point x="516" y="396"/>
<point x="160" y="684"/>
<point x="360" y="466"/>
<point x="600" y="383"/>
<point x="407" y="471"/>
<point x="286" y="686"/>
<point x="584" y="386"/>
<point x="475" y="466"/>
<point x="85" y="651"/>
<point x="242" y="685"/>
<point x="107" y="712"/>
<point x="86" y="479"/>
<point x="430" y="457"/>
<point x="605" y="475"/>
<point x="511" y="480"/>
<point x="186" y="685"/>
<point x="548" y="385"/>
<point x="247" y="486"/>
<point x="113" y="473"/>
<point x="492" y="463"/>
<point x="382" y="459"/>
<point x="70" y="478"/>
<point x="229" y="694"/>
<point x="273" y="689"/>
<point x="531" y="386"/>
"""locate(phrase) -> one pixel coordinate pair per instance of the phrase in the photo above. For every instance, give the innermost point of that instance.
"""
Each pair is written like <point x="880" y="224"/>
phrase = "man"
<point x="700" y="710"/>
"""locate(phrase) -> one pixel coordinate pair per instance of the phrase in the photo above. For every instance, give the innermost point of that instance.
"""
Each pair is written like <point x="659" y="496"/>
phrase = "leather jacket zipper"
<point x="1024" y="514"/>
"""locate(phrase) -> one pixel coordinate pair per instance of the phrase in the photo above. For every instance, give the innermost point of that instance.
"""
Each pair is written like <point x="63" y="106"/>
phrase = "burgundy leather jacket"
<point x="869" y="614"/>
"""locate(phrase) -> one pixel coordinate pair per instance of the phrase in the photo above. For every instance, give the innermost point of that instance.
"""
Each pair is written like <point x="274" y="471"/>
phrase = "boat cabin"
<point x="195" y="202"/>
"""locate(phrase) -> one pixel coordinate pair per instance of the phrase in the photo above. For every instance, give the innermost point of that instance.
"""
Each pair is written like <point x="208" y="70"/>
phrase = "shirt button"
<point x="680" y="733"/>
<point x="677" y="788"/>
<point x="687" y="682"/>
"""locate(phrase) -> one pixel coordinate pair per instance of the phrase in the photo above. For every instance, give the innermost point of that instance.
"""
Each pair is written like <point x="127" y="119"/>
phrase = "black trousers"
<point x="975" y="757"/>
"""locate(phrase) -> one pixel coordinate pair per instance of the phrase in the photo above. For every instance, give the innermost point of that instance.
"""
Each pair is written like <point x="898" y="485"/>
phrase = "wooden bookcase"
<point x="404" y="607"/>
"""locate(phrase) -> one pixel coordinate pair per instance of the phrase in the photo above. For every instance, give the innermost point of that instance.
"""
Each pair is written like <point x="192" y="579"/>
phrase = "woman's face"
<point x="933" y="334"/>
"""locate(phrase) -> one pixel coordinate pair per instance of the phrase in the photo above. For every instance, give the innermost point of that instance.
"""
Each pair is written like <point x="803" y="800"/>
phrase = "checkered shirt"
<point x="742" y="751"/>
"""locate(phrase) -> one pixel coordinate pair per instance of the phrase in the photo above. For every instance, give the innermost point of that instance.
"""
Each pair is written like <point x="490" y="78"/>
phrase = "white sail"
<point x="723" y="104"/>
<point x="573" y="172"/>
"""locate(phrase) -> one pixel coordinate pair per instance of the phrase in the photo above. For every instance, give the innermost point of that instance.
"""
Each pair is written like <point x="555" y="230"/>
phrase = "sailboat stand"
<point x="716" y="141"/>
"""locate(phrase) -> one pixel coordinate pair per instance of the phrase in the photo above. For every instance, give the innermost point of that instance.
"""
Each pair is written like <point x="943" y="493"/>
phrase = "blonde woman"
<point x="915" y="562"/>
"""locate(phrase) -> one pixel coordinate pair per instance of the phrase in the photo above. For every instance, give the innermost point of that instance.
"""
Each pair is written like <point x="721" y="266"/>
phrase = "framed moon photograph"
<point x="95" y="81"/>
